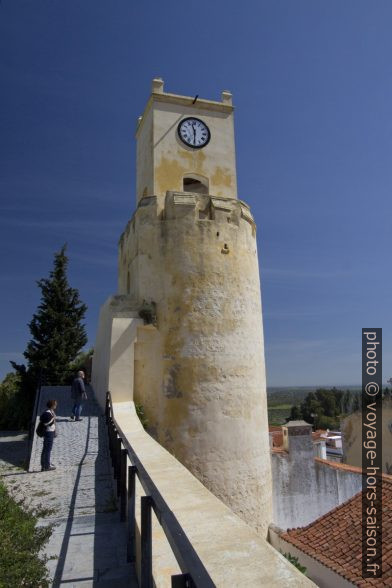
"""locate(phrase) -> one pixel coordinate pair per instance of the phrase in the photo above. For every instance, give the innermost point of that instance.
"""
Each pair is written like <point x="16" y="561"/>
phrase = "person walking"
<point x="48" y="418"/>
<point x="78" y="394"/>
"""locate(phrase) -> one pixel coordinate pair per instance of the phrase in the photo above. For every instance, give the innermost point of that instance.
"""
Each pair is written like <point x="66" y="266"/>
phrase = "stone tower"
<point x="188" y="262"/>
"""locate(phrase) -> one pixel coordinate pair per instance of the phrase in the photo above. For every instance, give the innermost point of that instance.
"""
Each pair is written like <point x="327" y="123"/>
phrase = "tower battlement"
<point x="199" y="207"/>
<point x="208" y="226"/>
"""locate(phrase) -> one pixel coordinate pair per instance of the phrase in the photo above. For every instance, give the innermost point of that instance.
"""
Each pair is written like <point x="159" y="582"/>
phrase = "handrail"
<point x="194" y="574"/>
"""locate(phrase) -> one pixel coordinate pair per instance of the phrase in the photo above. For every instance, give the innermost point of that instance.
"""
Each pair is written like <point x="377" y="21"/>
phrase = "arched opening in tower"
<point x="192" y="184"/>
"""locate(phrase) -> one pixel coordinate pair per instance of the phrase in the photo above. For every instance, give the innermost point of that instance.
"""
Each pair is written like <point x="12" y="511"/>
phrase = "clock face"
<point x="194" y="132"/>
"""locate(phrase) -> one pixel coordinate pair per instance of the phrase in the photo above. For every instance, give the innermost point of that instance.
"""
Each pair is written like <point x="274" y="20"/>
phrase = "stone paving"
<point x="88" y="543"/>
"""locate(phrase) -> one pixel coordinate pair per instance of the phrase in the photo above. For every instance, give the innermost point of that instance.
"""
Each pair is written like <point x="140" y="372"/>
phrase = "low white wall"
<point x="305" y="488"/>
<point x="316" y="571"/>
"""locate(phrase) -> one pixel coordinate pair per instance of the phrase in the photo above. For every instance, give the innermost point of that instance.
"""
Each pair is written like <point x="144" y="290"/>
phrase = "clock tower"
<point x="188" y="267"/>
<point x="172" y="153"/>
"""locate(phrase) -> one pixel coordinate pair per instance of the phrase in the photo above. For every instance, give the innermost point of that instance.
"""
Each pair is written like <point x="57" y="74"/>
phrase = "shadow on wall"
<point x="13" y="448"/>
<point x="121" y="346"/>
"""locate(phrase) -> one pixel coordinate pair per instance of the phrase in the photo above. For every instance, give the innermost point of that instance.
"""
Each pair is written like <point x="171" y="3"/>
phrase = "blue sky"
<point x="312" y="85"/>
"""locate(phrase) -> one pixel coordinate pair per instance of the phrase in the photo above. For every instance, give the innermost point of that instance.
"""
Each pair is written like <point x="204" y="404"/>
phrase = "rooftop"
<point x="342" y="466"/>
<point x="297" y="424"/>
<point x="277" y="436"/>
<point x="335" y="539"/>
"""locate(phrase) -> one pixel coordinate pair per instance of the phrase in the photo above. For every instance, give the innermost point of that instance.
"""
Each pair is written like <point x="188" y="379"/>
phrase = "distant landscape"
<point x="281" y="399"/>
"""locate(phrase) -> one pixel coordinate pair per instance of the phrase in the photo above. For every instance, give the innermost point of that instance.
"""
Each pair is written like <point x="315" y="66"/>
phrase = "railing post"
<point x="146" y="542"/>
<point x="114" y="456"/>
<point x="182" y="581"/>
<point x="107" y="407"/>
<point x="112" y="437"/>
<point x="123" y="485"/>
<point x="131" y="547"/>
<point x="109" y="425"/>
<point x="118" y="465"/>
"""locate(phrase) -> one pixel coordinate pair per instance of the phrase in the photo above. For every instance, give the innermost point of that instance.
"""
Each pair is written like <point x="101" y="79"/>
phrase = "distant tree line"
<point x="54" y="352"/>
<point x="324" y="408"/>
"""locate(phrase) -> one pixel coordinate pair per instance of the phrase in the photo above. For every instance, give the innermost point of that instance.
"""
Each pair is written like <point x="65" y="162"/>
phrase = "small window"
<point x="195" y="185"/>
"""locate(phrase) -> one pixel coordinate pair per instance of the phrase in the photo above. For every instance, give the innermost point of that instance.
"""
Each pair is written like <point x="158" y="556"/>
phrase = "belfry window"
<point x="198" y="185"/>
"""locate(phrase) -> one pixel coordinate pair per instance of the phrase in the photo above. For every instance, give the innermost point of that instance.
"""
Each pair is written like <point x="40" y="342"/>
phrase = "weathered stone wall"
<point x="200" y="373"/>
<point x="305" y="488"/>
<point x="144" y="158"/>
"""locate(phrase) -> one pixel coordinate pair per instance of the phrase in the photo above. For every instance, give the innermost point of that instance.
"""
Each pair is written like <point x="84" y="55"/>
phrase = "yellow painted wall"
<point x="163" y="159"/>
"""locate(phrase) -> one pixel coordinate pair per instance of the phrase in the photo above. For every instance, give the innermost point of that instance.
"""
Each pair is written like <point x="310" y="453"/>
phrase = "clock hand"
<point x="194" y="134"/>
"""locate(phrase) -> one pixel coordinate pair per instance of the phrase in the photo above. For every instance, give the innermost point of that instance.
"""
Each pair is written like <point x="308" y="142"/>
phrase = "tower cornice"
<point x="225" y="106"/>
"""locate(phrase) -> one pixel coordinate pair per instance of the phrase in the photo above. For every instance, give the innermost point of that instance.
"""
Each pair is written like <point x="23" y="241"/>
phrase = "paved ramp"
<point x="88" y="542"/>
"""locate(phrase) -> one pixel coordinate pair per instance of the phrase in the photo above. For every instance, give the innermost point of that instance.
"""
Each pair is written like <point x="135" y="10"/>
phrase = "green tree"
<point x="54" y="350"/>
<point x="323" y="407"/>
<point x="11" y="407"/>
<point x="346" y="402"/>
<point x="356" y="404"/>
<point x="17" y="393"/>
<point x="57" y="331"/>
<point x="81" y="362"/>
<point x="311" y="408"/>
<point x="295" y="414"/>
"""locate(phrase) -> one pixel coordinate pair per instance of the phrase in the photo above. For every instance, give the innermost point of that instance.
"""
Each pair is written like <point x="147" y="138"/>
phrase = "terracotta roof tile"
<point x="335" y="539"/>
<point x="339" y="466"/>
<point x="345" y="466"/>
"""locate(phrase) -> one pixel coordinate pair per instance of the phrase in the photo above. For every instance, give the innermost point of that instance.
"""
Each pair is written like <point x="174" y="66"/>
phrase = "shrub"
<point x="141" y="414"/>
<point x="294" y="560"/>
<point x="15" y="403"/>
<point x="20" y="544"/>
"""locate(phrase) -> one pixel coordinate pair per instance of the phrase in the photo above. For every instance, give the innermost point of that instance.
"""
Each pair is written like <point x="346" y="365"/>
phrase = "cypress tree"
<point x="56" y="328"/>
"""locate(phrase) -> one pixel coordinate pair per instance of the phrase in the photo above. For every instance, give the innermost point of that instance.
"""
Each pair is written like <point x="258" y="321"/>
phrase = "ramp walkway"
<point x="88" y="544"/>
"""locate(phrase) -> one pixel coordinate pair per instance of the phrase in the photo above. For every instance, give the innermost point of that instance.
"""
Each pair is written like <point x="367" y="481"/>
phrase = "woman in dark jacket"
<point x="48" y="418"/>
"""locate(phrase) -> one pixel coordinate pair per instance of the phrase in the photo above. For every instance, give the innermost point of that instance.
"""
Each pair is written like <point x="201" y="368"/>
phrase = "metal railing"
<point x="194" y="574"/>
